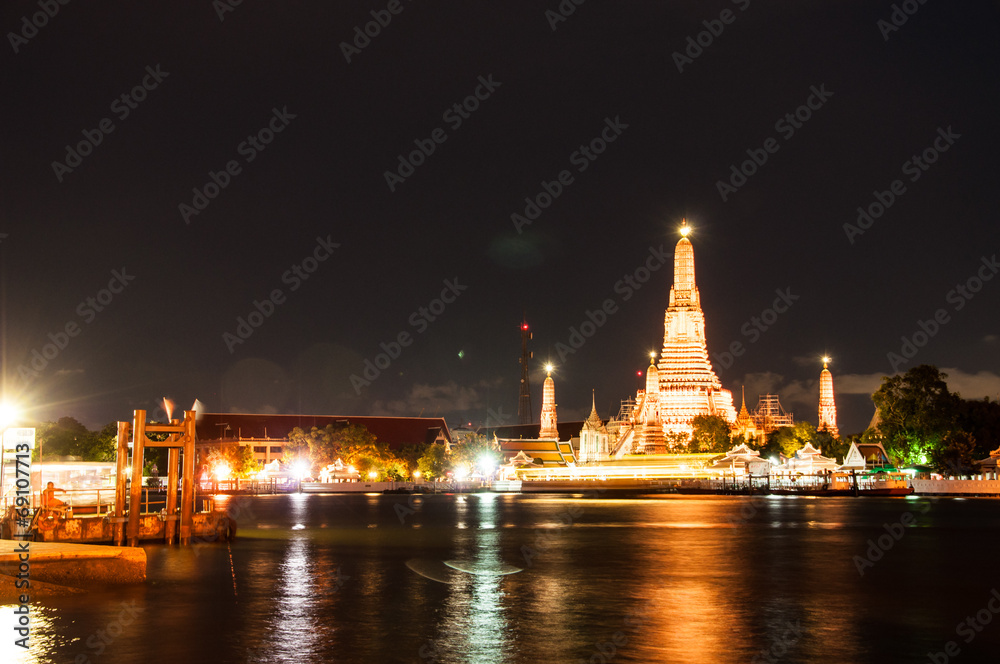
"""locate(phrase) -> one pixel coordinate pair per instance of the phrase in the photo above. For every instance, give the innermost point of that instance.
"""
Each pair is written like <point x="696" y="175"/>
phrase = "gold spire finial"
<point x="548" y="370"/>
<point x="685" y="229"/>
<point x="826" y="360"/>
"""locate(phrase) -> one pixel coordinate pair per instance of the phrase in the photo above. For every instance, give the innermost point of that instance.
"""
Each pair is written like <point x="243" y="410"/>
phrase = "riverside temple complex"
<point x="680" y="385"/>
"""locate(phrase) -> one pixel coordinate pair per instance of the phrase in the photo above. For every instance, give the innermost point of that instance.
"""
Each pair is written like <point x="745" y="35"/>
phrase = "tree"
<point x="787" y="440"/>
<point x="239" y="458"/>
<point x="62" y="438"/>
<point x="981" y="418"/>
<point x="101" y="445"/>
<point x="353" y="444"/>
<point x="956" y="455"/>
<point x="474" y="452"/>
<point x="434" y="462"/>
<point x="915" y="412"/>
<point x="676" y="442"/>
<point x="410" y="454"/>
<point x="319" y="446"/>
<point x="711" y="434"/>
<point x="835" y="448"/>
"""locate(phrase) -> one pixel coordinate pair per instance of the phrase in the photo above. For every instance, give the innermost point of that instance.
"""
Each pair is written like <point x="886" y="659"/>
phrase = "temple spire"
<point x="548" y="428"/>
<point x="827" y="405"/>
<point x="688" y="386"/>
<point x="684" y="292"/>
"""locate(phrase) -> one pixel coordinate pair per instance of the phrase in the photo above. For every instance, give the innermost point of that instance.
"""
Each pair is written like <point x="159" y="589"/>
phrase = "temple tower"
<point x="827" y="406"/>
<point x="745" y="424"/>
<point x="594" y="441"/>
<point x="688" y="385"/>
<point x="649" y="438"/>
<point x="548" y="428"/>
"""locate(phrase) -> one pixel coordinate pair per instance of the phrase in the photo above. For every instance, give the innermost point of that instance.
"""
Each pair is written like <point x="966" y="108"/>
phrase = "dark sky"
<point x="885" y="98"/>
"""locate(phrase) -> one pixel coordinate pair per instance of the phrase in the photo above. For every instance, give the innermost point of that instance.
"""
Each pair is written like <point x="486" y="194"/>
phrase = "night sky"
<point x="341" y="257"/>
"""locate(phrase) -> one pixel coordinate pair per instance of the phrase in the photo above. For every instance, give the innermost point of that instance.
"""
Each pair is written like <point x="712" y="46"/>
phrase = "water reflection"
<point x="714" y="579"/>
<point x="474" y="622"/>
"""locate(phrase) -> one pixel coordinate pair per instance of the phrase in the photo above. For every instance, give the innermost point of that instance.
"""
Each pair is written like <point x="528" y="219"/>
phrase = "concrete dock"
<point x="70" y="565"/>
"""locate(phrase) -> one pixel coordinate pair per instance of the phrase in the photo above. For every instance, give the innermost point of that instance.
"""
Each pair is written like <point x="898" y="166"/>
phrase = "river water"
<point x="507" y="578"/>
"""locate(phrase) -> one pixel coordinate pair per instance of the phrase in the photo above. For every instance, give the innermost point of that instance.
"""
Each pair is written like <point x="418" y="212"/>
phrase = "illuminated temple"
<point x="682" y="385"/>
<point x="688" y="384"/>
<point x="827" y="405"/>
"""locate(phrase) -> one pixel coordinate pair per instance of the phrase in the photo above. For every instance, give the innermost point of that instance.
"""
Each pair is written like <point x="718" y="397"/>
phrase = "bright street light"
<point x="8" y="414"/>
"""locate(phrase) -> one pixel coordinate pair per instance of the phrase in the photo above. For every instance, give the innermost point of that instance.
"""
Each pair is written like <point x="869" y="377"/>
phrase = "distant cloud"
<point x="68" y="372"/>
<point x="990" y="338"/>
<point x="815" y="361"/>
<point x="802" y="396"/>
<point x="437" y="400"/>
<point x="795" y="396"/>
<point x="973" y="386"/>
<point x="857" y="383"/>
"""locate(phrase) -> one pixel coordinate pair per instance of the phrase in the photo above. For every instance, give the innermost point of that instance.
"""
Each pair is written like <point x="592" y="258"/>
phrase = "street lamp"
<point x="8" y="414"/>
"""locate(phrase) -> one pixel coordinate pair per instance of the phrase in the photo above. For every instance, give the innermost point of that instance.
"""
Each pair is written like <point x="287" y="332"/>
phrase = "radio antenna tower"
<point x="524" y="401"/>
